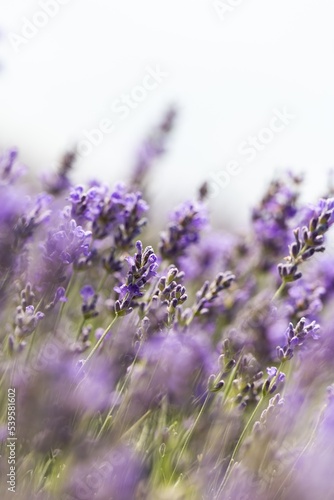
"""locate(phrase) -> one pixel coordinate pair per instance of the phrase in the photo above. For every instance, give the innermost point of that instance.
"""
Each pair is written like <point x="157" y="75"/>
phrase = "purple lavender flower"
<point x="36" y="213"/>
<point x="274" y="380"/>
<point x="174" y="365"/>
<point x="143" y="267"/>
<point x="58" y="182"/>
<point x="186" y="223"/>
<point x="296" y="336"/>
<point x="113" y="474"/>
<point x="67" y="244"/>
<point x="308" y="241"/>
<point x="152" y="148"/>
<point x="212" y="253"/>
<point x="12" y="206"/>
<point x="59" y="296"/>
<point x="272" y="219"/>
<point x="10" y="169"/>
<point x="26" y="321"/>
<point x="86" y="205"/>
<point x="305" y="299"/>
<point x="118" y="214"/>
<point x="89" y="300"/>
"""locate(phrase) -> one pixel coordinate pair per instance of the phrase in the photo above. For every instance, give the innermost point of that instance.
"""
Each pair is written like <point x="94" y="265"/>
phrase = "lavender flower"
<point x="10" y="169"/>
<point x="67" y="244"/>
<point x="308" y="241"/>
<point x="305" y="299"/>
<point x="186" y="223"/>
<point x="86" y="205"/>
<point x="58" y="182"/>
<point x="296" y="336"/>
<point x="142" y="269"/>
<point x="152" y="148"/>
<point x="272" y="219"/>
<point x="89" y="299"/>
<point x="274" y="380"/>
<point x="36" y="213"/>
<point x="59" y="296"/>
<point x="148" y="412"/>
<point x="26" y="321"/>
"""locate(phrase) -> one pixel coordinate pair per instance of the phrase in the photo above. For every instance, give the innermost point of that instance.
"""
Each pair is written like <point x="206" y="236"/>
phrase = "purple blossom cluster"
<point x="144" y="359"/>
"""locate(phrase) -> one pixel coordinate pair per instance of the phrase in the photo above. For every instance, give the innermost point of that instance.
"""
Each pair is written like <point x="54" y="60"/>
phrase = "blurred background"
<point x="252" y="81"/>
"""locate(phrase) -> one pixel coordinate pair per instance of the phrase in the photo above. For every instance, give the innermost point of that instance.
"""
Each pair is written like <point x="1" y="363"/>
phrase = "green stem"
<point x="108" y="417"/>
<point x="83" y="321"/>
<point x="68" y="288"/>
<point x="31" y="344"/>
<point x="239" y="443"/>
<point x="279" y="291"/>
<point x="136" y="424"/>
<point x="102" y="282"/>
<point x="191" y="430"/>
<point x="34" y="332"/>
<point x="308" y="444"/>
<point x="99" y="342"/>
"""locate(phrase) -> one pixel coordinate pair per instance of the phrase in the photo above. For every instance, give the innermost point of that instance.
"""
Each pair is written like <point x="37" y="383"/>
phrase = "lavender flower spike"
<point x="26" y="321"/>
<point x="186" y="223"/>
<point x="296" y="337"/>
<point x="308" y="241"/>
<point x="274" y="380"/>
<point x="142" y="268"/>
<point x="89" y="299"/>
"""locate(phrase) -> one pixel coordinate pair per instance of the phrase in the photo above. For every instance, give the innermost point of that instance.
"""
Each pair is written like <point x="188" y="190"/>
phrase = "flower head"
<point x="296" y="336"/>
<point x="186" y="223"/>
<point x="143" y="267"/>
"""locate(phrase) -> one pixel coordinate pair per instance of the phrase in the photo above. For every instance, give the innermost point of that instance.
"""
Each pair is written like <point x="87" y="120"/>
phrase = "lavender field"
<point x="173" y="362"/>
<point x="166" y="250"/>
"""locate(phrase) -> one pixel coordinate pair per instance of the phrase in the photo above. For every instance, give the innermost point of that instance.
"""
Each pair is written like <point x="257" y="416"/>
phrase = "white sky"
<point x="226" y="75"/>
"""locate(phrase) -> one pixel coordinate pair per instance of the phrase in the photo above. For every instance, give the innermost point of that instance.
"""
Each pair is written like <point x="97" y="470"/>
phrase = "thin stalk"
<point x="188" y="437"/>
<point x="239" y="443"/>
<point x="34" y="332"/>
<point x="136" y="424"/>
<point x="99" y="342"/>
<point x="83" y="321"/>
<point x="67" y="292"/>
<point x="102" y="282"/>
<point x="279" y="291"/>
<point x="108" y="417"/>
<point x="308" y="444"/>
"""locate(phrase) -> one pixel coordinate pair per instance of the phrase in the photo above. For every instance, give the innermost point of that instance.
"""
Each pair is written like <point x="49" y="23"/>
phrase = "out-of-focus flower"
<point x="212" y="253"/>
<point x="151" y="149"/>
<point x="174" y="366"/>
<point x="59" y="182"/>
<point x="36" y="213"/>
<point x="114" y="474"/>
<point x="89" y="299"/>
<point x="10" y="168"/>
<point x="186" y="223"/>
<point x="119" y="214"/>
<point x="26" y="321"/>
<point x="66" y="245"/>
<point x="272" y="219"/>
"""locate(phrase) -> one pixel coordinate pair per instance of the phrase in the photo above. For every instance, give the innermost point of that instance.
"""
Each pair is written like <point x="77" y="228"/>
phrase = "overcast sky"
<point x="253" y="81"/>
